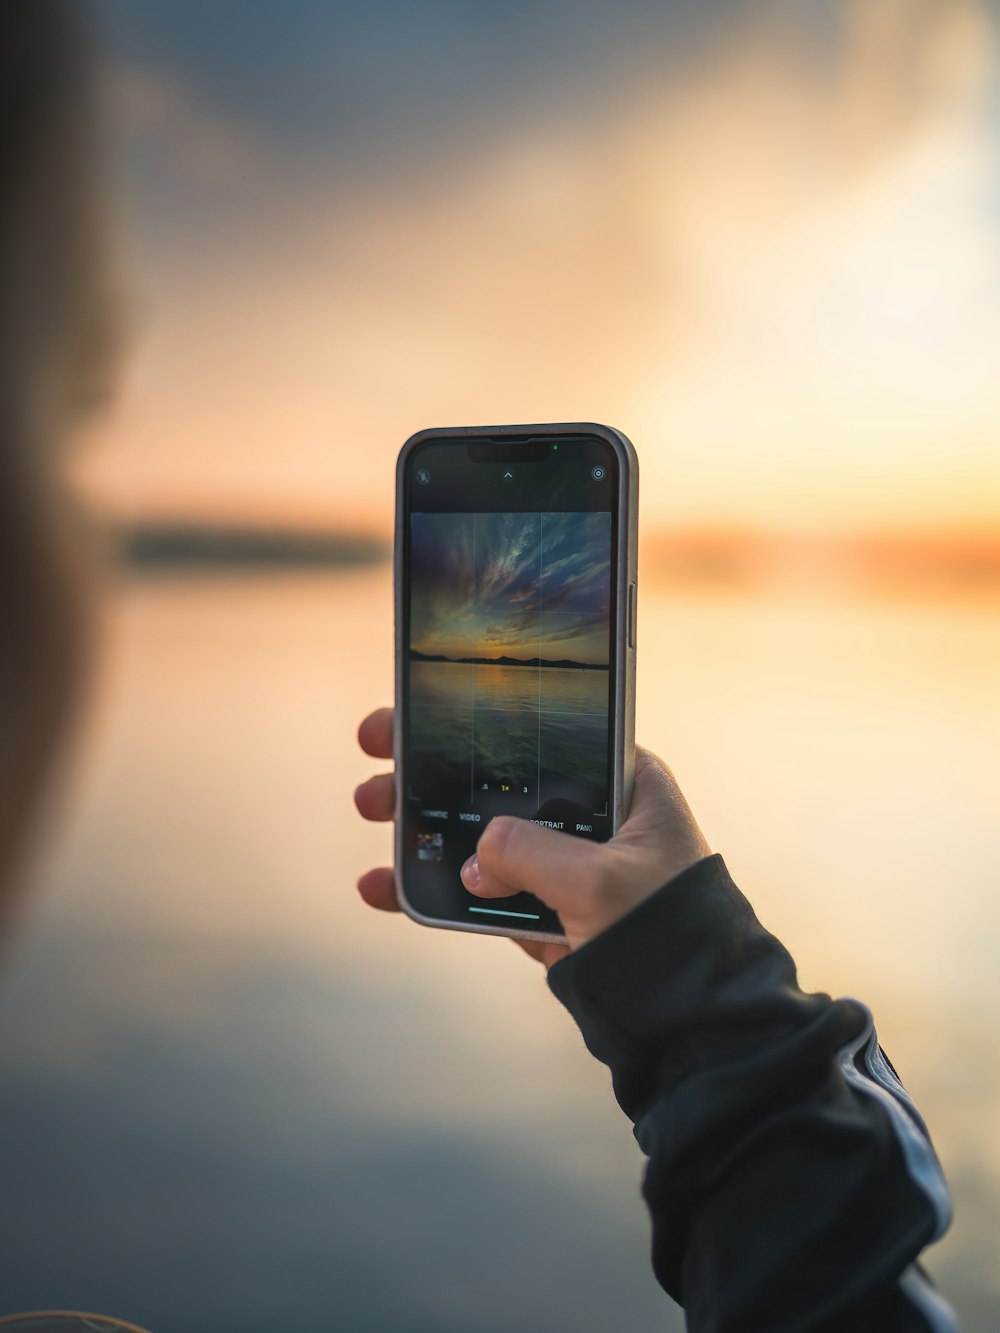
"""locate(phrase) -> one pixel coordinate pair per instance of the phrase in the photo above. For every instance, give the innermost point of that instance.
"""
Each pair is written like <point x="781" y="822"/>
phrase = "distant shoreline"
<point x="191" y="547"/>
<point x="564" y="663"/>
<point x="926" y="566"/>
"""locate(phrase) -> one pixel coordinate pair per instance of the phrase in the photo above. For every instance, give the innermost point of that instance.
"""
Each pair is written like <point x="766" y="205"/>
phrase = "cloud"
<point x="196" y="144"/>
<point x="513" y="587"/>
<point x="711" y="259"/>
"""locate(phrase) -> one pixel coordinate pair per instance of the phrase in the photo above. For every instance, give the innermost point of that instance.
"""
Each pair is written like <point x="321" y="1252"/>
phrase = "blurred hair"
<point x="53" y="326"/>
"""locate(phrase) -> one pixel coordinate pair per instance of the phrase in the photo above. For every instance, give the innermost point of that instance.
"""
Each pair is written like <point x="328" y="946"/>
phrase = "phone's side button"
<point x="631" y="615"/>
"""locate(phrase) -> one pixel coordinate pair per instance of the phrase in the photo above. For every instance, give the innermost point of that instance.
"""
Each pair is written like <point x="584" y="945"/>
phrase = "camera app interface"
<point x="508" y="667"/>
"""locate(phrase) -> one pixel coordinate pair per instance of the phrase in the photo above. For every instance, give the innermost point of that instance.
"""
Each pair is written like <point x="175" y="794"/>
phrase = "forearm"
<point x="790" y="1184"/>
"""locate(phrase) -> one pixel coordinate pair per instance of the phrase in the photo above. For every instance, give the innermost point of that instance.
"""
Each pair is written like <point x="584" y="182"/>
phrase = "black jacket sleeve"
<point x="791" y="1182"/>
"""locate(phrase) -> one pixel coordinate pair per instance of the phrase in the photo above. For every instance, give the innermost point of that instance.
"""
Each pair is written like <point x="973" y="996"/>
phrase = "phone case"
<point x="623" y="767"/>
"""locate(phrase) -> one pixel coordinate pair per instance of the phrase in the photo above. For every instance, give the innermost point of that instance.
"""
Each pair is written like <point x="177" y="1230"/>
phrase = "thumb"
<point x="516" y="856"/>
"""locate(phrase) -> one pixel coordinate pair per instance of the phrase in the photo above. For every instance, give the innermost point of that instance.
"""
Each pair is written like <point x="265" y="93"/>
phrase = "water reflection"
<point x="541" y="732"/>
<point x="235" y="1099"/>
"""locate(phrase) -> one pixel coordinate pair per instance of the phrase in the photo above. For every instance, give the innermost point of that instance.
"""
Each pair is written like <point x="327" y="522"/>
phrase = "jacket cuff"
<point x="694" y="943"/>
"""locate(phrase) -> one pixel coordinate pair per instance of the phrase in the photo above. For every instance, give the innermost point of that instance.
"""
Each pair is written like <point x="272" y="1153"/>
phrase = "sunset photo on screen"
<point x="508" y="655"/>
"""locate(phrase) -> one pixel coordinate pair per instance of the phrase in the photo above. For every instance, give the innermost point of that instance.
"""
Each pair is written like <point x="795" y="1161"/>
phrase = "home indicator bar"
<point x="497" y="911"/>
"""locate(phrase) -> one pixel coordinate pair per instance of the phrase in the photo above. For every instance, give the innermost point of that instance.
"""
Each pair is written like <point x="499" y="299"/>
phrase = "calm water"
<point x="237" y="1100"/>
<point x="537" y="729"/>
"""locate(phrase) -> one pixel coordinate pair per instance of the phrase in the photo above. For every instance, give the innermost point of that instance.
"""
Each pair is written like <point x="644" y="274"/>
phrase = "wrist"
<point x="625" y="879"/>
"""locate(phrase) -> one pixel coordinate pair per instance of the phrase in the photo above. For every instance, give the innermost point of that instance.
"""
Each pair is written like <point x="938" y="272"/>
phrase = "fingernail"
<point x="470" y="873"/>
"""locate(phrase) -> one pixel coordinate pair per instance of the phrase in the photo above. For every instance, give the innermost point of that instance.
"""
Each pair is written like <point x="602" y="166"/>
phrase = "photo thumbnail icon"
<point x="430" y="846"/>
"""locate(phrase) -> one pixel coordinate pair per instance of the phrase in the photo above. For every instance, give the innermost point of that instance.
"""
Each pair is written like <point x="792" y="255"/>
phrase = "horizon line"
<point x="508" y="660"/>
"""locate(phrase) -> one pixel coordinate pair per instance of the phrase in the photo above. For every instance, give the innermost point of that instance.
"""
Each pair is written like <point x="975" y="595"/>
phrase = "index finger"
<point x="375" y="734"/>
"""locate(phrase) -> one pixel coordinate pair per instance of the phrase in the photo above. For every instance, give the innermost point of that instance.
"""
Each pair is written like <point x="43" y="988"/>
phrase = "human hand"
<point x="590" y="884"/>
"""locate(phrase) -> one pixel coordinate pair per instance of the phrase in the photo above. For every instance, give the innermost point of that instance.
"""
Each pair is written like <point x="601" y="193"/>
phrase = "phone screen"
<point x="509" y="607"/>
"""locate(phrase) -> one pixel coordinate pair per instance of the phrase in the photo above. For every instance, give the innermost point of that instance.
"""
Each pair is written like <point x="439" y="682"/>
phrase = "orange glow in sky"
<point x="782" y="284"/>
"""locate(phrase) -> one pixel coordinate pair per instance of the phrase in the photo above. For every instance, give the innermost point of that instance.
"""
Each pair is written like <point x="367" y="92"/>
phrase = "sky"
<point x="514" y="585"/>
<point x="760" y="238"/>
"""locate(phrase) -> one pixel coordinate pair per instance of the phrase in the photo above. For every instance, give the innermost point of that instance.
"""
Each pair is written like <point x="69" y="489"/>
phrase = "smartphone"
<point x="515" y="574"/>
